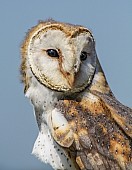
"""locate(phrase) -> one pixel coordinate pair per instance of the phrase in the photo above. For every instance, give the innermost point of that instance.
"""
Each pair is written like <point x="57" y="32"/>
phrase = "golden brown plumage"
<point x="102" y="131"/>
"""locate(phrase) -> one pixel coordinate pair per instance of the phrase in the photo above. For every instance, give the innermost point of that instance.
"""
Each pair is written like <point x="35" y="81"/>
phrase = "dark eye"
<point x="52" y="53"/>
<point x="83" y="56"/>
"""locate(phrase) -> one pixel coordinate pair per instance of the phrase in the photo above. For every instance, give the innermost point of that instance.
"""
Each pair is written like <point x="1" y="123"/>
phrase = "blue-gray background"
<point x="111" y="24"/>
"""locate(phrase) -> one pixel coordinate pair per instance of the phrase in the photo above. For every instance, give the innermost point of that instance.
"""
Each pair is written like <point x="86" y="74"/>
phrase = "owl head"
<point x="60" y="56"/>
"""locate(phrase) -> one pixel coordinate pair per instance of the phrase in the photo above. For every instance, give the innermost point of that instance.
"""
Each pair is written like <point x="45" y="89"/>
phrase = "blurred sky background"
<point x="111" y="24"/>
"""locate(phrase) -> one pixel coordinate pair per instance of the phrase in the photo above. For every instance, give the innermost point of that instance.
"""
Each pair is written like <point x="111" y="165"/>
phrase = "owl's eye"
<point x="83" y="56"/>
<point x="52" y="53"/>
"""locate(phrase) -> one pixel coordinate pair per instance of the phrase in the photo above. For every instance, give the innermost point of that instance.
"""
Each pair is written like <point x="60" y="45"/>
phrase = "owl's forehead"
<point x="56" y="31"/>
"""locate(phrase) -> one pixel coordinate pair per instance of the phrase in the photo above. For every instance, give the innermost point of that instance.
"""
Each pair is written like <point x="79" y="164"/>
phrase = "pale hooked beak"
<point x="70" y="77"/>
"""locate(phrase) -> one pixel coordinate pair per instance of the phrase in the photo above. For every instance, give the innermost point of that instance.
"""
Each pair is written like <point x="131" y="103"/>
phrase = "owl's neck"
<point x="41" y="96"/>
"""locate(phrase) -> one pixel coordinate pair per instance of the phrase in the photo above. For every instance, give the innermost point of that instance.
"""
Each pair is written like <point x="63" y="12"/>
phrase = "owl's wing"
<point x="101" y="130"/>
<point x="60" y="129"/>
<point x="120" y="113"/>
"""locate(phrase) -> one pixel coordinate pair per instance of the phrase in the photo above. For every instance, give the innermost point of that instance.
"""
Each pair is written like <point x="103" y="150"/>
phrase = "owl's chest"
<point x="45" y="147"/>
<point x="48" y="151"/>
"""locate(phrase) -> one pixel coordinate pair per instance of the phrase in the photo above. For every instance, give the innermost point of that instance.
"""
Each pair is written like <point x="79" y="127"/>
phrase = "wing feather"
<point x="120" y="113"/>
<point x="100" y="139"/>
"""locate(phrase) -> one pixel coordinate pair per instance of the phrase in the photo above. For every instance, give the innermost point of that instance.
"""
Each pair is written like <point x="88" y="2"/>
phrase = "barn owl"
<point x="82" y="126"/>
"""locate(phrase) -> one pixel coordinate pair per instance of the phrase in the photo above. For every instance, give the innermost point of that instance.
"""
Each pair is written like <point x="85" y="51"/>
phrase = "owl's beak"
<point x="70" y="79"/>
<point x="71" y="76"/>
